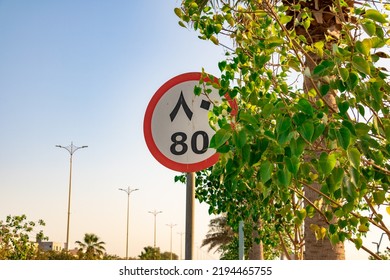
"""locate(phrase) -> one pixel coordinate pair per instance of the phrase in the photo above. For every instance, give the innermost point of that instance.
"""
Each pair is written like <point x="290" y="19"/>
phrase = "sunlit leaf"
<point x="285" y="19"/>
<point x="220" y="138"/>
<point x="361" y="64"/>
<point x="178" y="12"/>
<point x="358" y="243"/>
<point x="274" y="41"/>
<point x="362" y="129"/>
<point x="301" y="214"/>
<point x="369" y="27"/>
<point x="379" y="197"/>
<point x="344" y="73"/>
<point x="354" y="157"/>
<point x="327" y="162"/>
<point x="214" y="40"/>
<point x="364" y="47"/>
<point x="363" y="228"/>
<point x="375" y="15"/>
<point x="319" y="47"/>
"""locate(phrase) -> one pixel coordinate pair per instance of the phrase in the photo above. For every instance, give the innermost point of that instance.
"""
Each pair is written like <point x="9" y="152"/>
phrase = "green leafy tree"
<point x="153" y="253"/>
<point x="308" y="153"/>
<point x="91" y="248"/>
<point x="167" y="256"/>
<point x="150" y="253"/>
<point x="114" y="257"/>
<point x="55" y="255"/>
<point x="15" y="243"/>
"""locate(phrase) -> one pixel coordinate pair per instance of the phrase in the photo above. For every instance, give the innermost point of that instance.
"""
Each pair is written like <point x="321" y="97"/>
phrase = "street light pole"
<point x="378" y="244"/>
<point x="128" y="191"/>
<point x="155" y="213"/>
<point x="71" y="149"/>
<point x="181" y="244"/>
<point x="171" y="226"/>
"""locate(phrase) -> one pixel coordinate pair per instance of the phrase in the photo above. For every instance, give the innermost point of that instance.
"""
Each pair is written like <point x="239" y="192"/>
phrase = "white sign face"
<point x="176" y="125"/>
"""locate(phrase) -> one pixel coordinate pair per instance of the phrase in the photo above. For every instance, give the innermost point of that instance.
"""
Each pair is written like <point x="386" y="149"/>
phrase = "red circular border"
<point x="160" y="157"/>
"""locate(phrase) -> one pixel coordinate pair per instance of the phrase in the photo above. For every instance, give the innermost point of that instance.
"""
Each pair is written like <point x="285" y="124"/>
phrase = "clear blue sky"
<point x="84" y="71"/>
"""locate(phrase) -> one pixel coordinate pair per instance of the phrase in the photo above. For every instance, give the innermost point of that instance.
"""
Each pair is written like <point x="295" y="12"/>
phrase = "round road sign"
<point x="176" y="125"/>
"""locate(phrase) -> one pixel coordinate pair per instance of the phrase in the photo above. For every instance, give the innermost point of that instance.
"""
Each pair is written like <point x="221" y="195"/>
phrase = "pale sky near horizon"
<point x="84" y="71"/>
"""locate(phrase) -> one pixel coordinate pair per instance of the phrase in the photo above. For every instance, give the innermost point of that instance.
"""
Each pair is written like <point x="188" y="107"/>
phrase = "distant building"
<point x="50" y="246"/>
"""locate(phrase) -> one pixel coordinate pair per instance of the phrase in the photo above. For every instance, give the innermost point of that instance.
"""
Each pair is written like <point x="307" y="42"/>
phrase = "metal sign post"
<point x="190" y="210"/>
<point x="241" y="248"/>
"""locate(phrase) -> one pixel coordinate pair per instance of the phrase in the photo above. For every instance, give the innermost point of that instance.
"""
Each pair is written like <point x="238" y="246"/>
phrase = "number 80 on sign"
<point x="176" y="126"/>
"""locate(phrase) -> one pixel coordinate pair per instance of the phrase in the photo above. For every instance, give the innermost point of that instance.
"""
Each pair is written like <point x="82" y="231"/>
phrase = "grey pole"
<point x="378" y="244"/>
<point x="128" y="191"/>
<point x="171" y="226"/>
<point x="71" y="149"/>
<point x="155" y="213"/>
<point x="241" y="240"/>
<point x="181" y="244"/>
<point x="190" y="208"/>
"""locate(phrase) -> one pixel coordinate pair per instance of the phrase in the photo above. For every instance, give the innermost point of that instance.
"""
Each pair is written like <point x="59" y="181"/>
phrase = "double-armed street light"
<point x="71" y="149"/>
<point x="128" y="191"/>
<point x="155" y="213"/>
<point x="171" y="226"/>
<point x="378" y="244"/>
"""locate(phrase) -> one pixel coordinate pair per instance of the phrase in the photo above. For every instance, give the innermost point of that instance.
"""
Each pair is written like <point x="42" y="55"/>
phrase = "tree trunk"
<point x="256" y="252"/>
<point x="319" y="249"/>
<point x="328" y="16"/>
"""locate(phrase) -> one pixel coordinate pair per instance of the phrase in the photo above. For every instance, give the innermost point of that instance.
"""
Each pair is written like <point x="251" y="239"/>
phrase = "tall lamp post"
<point x="181" y="244"/>
<point x="171" y="226"/>
<point x="378" y="244"/>
<point x="71" y="149"/>
<point x="128" y="191"/>
<point x="155" y="213"/>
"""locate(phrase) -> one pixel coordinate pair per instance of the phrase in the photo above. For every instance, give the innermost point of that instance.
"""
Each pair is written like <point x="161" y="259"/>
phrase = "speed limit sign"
<point x="176" y="125"/>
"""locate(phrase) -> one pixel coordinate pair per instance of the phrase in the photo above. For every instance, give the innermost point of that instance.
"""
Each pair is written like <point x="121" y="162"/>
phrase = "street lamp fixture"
<point x="71" y="149"/>
<point x="378" y="244"/>
<point x="128" y="191"/>
<point x="155" y="213"/>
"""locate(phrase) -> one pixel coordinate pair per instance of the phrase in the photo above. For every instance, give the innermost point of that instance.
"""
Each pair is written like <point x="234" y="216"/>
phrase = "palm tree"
<point x="328" y="17"/>
<point x="150" y="253"/>
<point x="219" y="234"/>
<point x="91" y="248"/>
